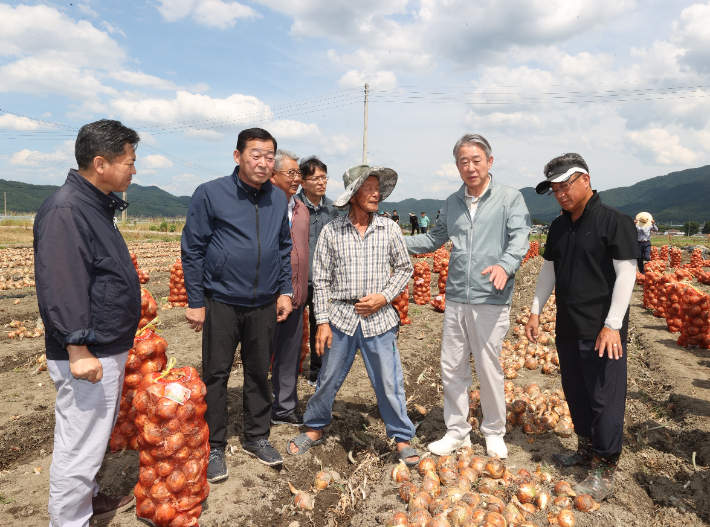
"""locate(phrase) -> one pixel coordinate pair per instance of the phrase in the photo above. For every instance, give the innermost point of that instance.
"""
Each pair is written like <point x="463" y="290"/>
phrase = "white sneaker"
<point x="495" y="447"/>
<point x="448" y="444"/>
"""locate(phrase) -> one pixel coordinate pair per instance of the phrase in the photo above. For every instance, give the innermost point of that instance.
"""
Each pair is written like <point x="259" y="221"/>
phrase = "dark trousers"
<point x="287" y="361"/>
<point x="415" y="227"/>
<point x="424" y="229"/>
<point x="225" y="327"/>
<point x="316" y="361"/>
<point x="644" y="254"/>
<point x="595" y="388"/>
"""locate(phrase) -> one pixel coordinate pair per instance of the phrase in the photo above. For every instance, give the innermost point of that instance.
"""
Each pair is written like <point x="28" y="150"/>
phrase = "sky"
<point x="626" y="84"/>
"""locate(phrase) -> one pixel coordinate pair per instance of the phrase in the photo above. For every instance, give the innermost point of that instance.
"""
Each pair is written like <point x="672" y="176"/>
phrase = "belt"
<point x="351" y="301"/>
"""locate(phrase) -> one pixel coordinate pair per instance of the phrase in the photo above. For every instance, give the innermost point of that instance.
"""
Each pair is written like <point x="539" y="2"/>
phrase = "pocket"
<point x="101" y="320"/>
<point x="217" y="272"/>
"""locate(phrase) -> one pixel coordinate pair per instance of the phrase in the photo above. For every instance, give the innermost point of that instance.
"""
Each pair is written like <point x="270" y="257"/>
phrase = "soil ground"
<point x="667" y="423"/>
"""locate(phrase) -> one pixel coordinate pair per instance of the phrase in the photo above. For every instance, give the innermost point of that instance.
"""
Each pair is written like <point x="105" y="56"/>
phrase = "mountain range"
<point x="674" y="198"/>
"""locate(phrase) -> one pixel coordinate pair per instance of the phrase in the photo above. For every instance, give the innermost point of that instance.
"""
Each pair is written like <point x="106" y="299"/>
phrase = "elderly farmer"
<point x="489" y="226"/>
<point x="644" y="227"/>
<point x="90" y="302"/>
<point x="353" y="288"/>
<point x="414" y="223"/>
<point x="236" y="255"/>
<point x="590" y="259"/>
<point x="313" y="184"/>
<point x="289" y="333"/>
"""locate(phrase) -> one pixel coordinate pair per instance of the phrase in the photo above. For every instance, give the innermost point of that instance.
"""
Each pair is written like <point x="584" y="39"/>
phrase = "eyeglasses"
<point x="562" y="189"/>
<point x="293" y="174"/>
<point x="319" y="179"/>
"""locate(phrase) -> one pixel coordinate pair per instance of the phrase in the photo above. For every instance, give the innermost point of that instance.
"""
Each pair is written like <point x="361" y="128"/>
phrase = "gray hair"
<point x="472" y="139"/>
<point x="279" y="157"/>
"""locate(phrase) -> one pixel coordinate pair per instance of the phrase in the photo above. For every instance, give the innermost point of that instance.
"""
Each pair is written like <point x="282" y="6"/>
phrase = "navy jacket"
<point x="236" y="244"/>
<point x="320" y="217"/>
<point x="87" y="287"/>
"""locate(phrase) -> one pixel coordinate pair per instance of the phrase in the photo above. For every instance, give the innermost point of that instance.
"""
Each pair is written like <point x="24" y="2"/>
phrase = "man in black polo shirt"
<point x="590" y="258"/>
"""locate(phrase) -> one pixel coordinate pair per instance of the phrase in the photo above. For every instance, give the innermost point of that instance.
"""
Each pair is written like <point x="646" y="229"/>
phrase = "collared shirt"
<point x="644" y="233"/>
<point x="348" y="266"/>
<point x="472" y="201"/>
<point x="291" y="205"/>
<point x="315" y="206"/>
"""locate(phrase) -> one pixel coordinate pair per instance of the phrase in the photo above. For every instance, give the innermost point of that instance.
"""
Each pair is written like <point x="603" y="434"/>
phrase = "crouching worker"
<point x="352" y="288"/>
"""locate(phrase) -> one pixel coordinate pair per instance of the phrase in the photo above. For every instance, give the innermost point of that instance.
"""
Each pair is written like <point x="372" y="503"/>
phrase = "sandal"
<point x="304" y="443"/>
<point x="406" y="452"/>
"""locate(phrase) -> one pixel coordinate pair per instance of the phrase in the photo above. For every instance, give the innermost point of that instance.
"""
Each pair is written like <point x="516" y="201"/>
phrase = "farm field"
<point x="662" y="481"/>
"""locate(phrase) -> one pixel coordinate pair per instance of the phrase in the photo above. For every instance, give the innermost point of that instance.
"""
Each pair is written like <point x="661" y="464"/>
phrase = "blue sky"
<point x="624" y="83"/>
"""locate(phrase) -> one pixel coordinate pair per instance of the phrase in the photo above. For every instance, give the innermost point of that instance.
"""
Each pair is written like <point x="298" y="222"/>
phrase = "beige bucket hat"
<point x="354" y="177"/>
<point x="644" y="218"/>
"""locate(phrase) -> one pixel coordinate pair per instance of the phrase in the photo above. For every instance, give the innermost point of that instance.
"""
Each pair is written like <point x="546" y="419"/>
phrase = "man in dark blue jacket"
<point x="90" y="302"/>
<point x="236" y="256"/>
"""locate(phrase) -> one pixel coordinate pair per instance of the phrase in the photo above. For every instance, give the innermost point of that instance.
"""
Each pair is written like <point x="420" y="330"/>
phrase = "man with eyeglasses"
<point x="313" y="184"/>
<point x="590" y="260"/>
<point x="236" y="255"/>
<point x="289" y="333"/>
<point x="488" y="224"/>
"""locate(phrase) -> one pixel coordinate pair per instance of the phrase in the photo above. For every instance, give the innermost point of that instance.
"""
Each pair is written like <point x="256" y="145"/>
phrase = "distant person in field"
<point x="360" y="265"/>
<point x="314" y="181"/>
<point x="236" y="256"/>
<point x="289" y="333"/>
<point x="590" y="260"/>
<point x="479" y="291"/>
<point x="424" y="222"/>
<point x="90" y="303"/>
<point x="645" y="225"/>
<point x="395" y="217"/>
<point x="414" y="223"/>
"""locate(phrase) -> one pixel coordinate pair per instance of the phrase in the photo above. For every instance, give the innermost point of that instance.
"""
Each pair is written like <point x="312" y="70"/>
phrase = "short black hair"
<point x="253" y="134"/>
<point x="423" y="212"/>
<point x="565" y="159"/>
<point x="309" y="166"/>
<point x="395" y="210"/>
<point x="104" y="138"/>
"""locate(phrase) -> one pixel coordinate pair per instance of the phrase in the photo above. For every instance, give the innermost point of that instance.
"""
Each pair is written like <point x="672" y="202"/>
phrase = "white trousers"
<point x="85" y="415"/>
<point x="478" y="330"/>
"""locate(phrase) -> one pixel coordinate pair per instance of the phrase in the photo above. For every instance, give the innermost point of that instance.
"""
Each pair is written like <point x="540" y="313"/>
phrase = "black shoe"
<point x="263" y="451"/>
<point x="292" y="419"/>
<point x="217" y="468"/>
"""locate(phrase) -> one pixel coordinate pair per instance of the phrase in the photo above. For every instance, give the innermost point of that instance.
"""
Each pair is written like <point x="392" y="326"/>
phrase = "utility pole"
<point x="123" y="214"/>
<point x="364" y="136"/>
<point x="5" y="195"/>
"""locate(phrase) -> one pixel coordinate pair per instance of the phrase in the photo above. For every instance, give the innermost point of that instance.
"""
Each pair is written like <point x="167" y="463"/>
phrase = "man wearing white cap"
<point x="645" y="225"/>
<point x="590" y="258"/>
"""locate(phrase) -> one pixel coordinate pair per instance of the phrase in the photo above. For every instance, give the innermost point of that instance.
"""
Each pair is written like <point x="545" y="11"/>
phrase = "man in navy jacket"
<point x="90" y="302"/>
<point x="236" y="256"/>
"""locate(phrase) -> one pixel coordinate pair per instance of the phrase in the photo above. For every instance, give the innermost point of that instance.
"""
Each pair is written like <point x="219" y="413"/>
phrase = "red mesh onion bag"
<point x="401" y="304"/>
<point x="175" y="448"/>
<point x="143" y="276"/>
<point x="304" y="341"/>
<point x="439" y="302"/>
<point x="149" y="308"/>
<point x="443" y="276"/>
<point x="695" y="314"/>
<point x="422" y="283"/>
<point x="178" y="293"/>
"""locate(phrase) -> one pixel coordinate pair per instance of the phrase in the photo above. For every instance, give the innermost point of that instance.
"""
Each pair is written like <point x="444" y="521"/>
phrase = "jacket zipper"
<point x="258" y="254"/>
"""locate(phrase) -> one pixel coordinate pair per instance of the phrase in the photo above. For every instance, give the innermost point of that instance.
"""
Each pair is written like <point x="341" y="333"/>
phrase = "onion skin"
<point x="542" y="500"/>
<point x="448" y="476"/>
<point x="406" y="491"/>
<point x="495" y="519"/>
<point x="439" y="505"/>
<point x="446" y="461"/>
<point x="562" y="488"/>
<point x="322" y="480"/>
<point x="460" y="514"/>
<point x="565" y="518"/>
<point x="563" y="502"/>
<point x="421" y="500"/>
<point x="419" y="517"/>
<point x="526" y="493"/>
<point x="426" y="465"/>
<point x="513" y="515"/>
<point x="397" y="518"/>
<point x="472" y="499"/>
<point x="495" y="504"/>
<point x="431" y="485"/>
<point x="439" y="521"/>
<point x="303" y="501"/>
<point x="585" y="503"/>
<point x="495" y="467"/>
<point x="478" y="464"/>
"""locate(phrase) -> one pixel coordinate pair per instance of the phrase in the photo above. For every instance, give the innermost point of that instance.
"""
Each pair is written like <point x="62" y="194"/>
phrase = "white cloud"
<point x="85" y="9"/>
<point x="445" y="180"/>
<point x="664" y="148"/>
<point x="111" y="28"/>
<point x="376" y="79"/>
<point x="210" y="13"/>
<point x="692" y="32"/>
<point x="62" y="156"/>
<point x="138" y="78"/>
<point x="288" y="129"/>
<point x="204" y="135"/>
<point x="16" y="122"/>
<point x="155" y="161"/>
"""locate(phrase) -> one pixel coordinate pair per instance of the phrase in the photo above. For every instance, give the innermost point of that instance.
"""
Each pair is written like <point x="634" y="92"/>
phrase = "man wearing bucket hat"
<point x="590" y="261"/>
<point x="644" y="227"/>
<point x="352" y="289"/>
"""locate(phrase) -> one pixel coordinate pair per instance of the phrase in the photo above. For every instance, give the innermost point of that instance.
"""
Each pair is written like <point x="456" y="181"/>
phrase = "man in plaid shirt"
<point x="352" y="288"/>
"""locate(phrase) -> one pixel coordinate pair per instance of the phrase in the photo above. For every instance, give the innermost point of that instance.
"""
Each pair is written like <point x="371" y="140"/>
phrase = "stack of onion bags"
<point x="695" y="316"/>
<point x="178" y="293"/>
<point x="533" y="251"/>
<point x="664" y="253"/>
<point x="174" y="451"/>
<point x="143" y="276"/>
<point x="675" y="257"/>
<point x="401" y="304"/>
<point x="467" y="491"/>
<point x="422" y="283"/>
<point x="146" y="356"/>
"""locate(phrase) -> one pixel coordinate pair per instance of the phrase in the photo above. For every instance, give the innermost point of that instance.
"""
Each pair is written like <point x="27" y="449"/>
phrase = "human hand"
<point x="195" y="318"/>
<point x="370" y="304"/>
<point x="324" y="338"/>
<point x="84" y="365"/>
<point x="532" y="328"/>
<point x="610" y="340"/>
<point x="498" y="276"/>
<point x="283" y="308"/>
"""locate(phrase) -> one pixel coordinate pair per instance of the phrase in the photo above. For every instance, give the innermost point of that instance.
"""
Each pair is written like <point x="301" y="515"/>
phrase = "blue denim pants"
<point x="381" y="358"/>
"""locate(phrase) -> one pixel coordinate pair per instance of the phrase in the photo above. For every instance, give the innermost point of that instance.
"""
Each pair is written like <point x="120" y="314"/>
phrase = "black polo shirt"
<point x="582" y="252"/>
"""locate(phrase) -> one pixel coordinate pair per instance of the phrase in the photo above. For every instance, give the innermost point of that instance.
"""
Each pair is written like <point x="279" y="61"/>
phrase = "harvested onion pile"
<point x="174" y="447"/>
<point x="696" y="258"/>
<point x="146" y="356"/>
<point x="443" y="276"/>
<point x="19" y="331"/>
<point x="675" y="257"/>
<point x="401" y="304"/>
<point x="664" y="253"/>
<point x="695" y="317"/>
<point x="422" y="283"/>
<point x="143" y="276"/>
<point x="654" y="254"/>
<point x="178" y="293"/>
<point x="466" y="491"/>
<point x="533" y="251"/>
<point x="423" y="255"/>
<point x="440" y="255"/>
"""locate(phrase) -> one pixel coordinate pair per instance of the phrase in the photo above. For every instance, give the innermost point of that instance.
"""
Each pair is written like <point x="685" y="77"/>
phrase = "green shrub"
<point x="173" y="228"/>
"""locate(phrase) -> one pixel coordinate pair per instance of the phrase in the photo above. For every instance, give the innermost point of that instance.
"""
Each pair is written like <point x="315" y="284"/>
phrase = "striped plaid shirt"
<point x="347" y="267"/>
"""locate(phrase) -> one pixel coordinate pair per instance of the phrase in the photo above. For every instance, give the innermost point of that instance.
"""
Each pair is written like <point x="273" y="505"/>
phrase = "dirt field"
<point x="667" y="420"/>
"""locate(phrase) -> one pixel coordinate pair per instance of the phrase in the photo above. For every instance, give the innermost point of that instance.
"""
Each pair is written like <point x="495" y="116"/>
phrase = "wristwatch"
<point x="290" y="295"/>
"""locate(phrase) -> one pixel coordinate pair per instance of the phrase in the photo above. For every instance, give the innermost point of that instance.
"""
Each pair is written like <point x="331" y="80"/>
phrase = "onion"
<point x="513" y="515"/>
<point x="165" y="408"/>
<point x="564" y="429"/>
<point x="176" y="481"/>
<point x="159" y="491"/>
<point x="526" y="493"/>
<point x="524" y="475"/>
<point x="465" y="452"/>
<point x="147" y="476"/>
<point x="400" y="473"/>
<point x="146" y="509"/>
<point x="542" y="500"/>
<point x="446" y="461"/>
<point x="460" y="514"/>
<point x="531" y="363"/>
<point x="542" y="475"/>
<point x="406" y="491"/>
<point x="477" y="517"/>
<point x="448" y="476"/>
<point x="323" y="479"/>
<point x="495" y="504"/>
<point x="164" y="468"/>
<point x="426" y="465"/>
<point x="472" y="499"/>
<point x="528" y="508"/>
<point x="478" y="463"/>
<point x="188" y="502"/>
<point x="301" y="500"/>
<point x="495" y="467"/>
<point x="585" y="503"/>
<point x="431" y="485"/>
<point x="470" y="474"/>
<point x="519" y="406"/>
<point x="439" y="521"/>
<point x="439" y="505"/>
<point x="463" y="484"/>
<point x="182" y="455"/>
<point x="562" y="488"/>
<point x="152" y="434"/>
<point x="419" y="517"/>
<point x="453" y="494"/>
<point x="563" y="502"/>
<point x="175" y="442"/>
<point x="140" y="491"/>
<point x="507" y="478"/>
<point x="487" y="486"/>
<point x="420" y="500"/>
<point x="532" y="390"/>
<point x="565" y="518"/>
<point x="396" y="518"/>
<point x="495" y="519"/>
